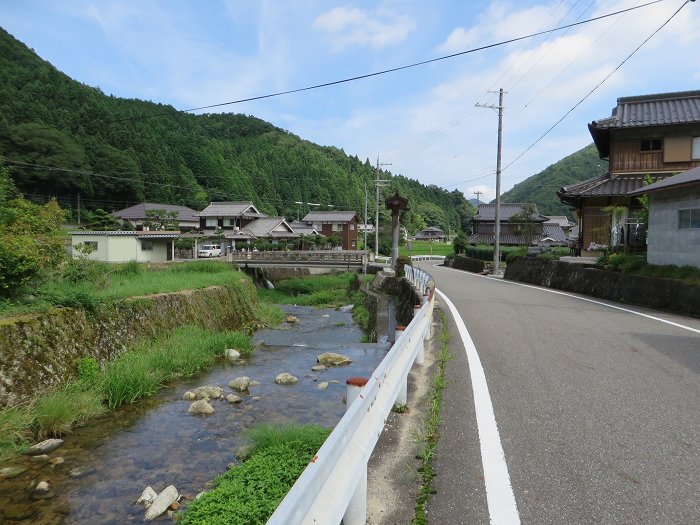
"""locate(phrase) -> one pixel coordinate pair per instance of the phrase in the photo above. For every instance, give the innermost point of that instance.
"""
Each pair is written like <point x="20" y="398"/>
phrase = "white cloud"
<point x="353" y="26"/>
<point x="459" y="40"/>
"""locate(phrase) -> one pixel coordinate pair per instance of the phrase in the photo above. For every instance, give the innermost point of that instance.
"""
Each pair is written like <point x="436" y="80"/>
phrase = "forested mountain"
<point x="542" y="187"/>
<point x="65" y="139"/>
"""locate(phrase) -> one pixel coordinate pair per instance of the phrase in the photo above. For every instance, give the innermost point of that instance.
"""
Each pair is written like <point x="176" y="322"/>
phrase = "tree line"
<point x="63" y="139"/>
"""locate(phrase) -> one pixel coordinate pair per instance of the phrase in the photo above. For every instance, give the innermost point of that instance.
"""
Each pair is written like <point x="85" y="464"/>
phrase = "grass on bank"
<point x="428" y="439"/>
<point x="86" y="284"/>
<point x="426" y="248"/>
<point x="248" y="494"/>
<point x="320" y="291"/>
<point x="141" y="372"/>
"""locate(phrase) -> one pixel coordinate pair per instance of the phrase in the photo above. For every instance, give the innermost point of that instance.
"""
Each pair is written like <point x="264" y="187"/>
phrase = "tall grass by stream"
<point x="141" y="372"/>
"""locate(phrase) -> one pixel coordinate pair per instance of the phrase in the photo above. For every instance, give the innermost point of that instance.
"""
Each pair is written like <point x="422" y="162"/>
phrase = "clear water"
<point x="156" y="443"/>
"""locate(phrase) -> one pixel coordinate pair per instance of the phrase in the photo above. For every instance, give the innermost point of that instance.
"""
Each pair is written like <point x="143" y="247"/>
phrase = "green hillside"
<point x="65" y="139"/>
<point x="542" y="187"/>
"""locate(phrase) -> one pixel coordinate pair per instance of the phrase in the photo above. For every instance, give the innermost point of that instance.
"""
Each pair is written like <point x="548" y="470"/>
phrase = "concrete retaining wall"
<point x="462" y="262"/>
<point x="39" y="352"/>
<point x="663" y="294"/>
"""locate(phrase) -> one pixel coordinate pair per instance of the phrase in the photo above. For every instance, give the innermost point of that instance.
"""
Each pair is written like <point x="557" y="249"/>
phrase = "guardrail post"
<point x="421" y="349"/>
<point x="354" y="387"/>
<point x="356" y="513"/>
<point x="402" y="396"/>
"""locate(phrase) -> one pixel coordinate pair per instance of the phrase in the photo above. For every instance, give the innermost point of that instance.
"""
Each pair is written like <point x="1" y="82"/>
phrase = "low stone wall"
<point x="39" y="352"/>
<point x="406" y="296"/>
<point x="469" y="264"/>
<point x="663" y="294"/>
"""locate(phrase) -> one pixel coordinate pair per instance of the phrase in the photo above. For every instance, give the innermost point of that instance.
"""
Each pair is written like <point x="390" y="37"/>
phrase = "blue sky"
<point x="423" y="120"/>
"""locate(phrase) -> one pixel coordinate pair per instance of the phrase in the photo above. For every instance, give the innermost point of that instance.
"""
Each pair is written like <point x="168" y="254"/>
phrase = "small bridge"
<point x="301" y="259"/>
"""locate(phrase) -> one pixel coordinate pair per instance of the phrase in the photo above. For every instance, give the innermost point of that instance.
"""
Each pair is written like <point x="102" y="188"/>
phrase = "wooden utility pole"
<point x="477" y="193"/>
<point x="497" y="227"/>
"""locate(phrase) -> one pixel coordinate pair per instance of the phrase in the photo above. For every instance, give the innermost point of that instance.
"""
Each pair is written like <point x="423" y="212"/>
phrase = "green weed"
<point x="430" y="433"/>
<point x="249" y="494"/>
<point x="186" y="351"/>
<point x="14" y="430"/>
<point x="58" y="413"/>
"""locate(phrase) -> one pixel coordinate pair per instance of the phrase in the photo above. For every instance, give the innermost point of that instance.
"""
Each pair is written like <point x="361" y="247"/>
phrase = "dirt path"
<point x="393" y="480"/>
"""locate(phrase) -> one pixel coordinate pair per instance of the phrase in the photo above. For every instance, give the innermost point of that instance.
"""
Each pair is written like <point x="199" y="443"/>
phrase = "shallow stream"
<point x="157" y="443"/>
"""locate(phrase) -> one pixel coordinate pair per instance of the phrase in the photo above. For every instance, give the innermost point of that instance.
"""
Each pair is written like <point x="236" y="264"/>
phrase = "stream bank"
<point x="156" y="443"/>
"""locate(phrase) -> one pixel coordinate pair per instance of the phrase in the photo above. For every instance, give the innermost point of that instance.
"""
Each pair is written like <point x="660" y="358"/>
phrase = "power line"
<point x="381" y="72"/>
<point x="595" y="88"/>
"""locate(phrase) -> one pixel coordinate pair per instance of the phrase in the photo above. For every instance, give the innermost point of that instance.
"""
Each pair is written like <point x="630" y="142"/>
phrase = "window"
<point x="147" y="246"/>
<point x="91" y="246"/>
<point x="696" y="148"/>
<point x="352" y="227"/>
<point x="337" y="226"/>
<point x="650" y="145"/>
<point x="689" y="218"/>
<point x="212" y="222"/>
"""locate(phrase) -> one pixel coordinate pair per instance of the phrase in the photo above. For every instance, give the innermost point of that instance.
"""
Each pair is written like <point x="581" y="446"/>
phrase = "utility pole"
<point x="365" y="257"/>
<point x="477" y="193"/>
<point x="378" y="183"/>
<point x="497" y="229"/>
<point x="78" y="208"/>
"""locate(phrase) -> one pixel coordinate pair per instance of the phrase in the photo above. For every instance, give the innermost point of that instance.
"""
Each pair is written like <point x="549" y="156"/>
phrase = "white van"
<point x="209" y="250"/>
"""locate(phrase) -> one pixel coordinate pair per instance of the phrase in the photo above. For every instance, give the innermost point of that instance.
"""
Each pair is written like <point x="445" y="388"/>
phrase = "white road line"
<point x="574" y="296"/>
<point x="499" y="492"/>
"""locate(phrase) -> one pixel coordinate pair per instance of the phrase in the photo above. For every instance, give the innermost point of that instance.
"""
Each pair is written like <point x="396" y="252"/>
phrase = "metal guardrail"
<point x="333" y="487"/>
<point x="427" y="257"/>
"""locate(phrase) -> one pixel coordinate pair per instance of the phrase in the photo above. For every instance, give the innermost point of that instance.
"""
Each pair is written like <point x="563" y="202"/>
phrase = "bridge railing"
<point x="337" y="257"/>
<point x="333" y="487"/>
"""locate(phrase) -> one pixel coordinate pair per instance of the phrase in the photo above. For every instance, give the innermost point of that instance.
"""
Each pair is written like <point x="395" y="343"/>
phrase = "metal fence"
<point x="333" y="487"/>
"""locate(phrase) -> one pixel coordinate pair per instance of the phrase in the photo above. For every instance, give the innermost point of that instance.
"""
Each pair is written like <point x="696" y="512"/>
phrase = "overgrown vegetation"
<point x="144" y="370"/>
<point x="248" y="494"/>
<point x="631" y="263"/>
<point x="141" y="372"/>
<point x="321" y="291"/>
<point x="430" y="433"/>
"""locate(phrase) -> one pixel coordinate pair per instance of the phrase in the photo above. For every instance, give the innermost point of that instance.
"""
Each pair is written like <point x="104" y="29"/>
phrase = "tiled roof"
<point x="329" y="216"/>
<point x="264" y="226"/>
<point x="511" y="239"/>
<point x="554" y="231"/>
<point x="561" y="220"/>
<point x="606" y="186"/>
<point x="303" y="228"/>
<point x="120" y="233"/>
<point x="487" y="212"/>
<point x="669" y="183"/>
<point x="231" y="209"/>
<point x="654" y="110"/>
<point x="139" y="211"/>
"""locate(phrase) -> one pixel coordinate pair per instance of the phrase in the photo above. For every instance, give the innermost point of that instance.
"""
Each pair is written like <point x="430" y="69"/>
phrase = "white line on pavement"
<point x="499" y="492"/>
<point x="580" y="298"/>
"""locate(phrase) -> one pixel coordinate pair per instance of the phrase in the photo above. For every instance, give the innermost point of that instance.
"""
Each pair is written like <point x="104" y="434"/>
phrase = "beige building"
<point x="124" y="246"/>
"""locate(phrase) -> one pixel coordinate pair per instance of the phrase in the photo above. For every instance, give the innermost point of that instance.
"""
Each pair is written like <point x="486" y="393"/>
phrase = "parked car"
<point x="209" y="250"/>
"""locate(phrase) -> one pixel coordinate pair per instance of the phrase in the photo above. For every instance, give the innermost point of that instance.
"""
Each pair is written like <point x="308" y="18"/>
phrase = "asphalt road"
<point x="598" y="409"/>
